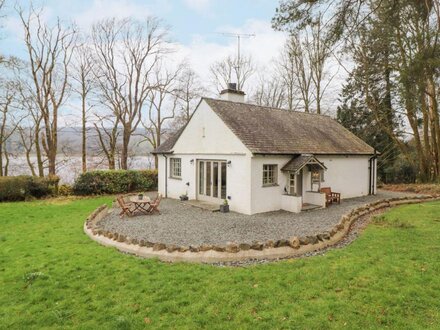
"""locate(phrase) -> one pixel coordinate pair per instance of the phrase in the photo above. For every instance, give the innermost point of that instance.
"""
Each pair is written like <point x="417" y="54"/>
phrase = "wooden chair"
<point x="330" y="197"/>
<point x="154" y="206"/>
<point x="125" y="207"/>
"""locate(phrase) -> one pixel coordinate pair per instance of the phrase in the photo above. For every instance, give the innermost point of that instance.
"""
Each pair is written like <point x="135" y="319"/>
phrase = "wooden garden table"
<point x="141" y="205"/>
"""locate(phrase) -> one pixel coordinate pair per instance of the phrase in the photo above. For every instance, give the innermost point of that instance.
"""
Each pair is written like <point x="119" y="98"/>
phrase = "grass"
<point x="53" y="276"/>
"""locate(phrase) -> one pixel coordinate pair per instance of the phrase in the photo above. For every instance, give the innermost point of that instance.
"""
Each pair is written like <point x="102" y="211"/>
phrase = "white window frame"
<point x="270" y="175"/>
<point x="295" y="188"/>
<point x="176" y="168"/>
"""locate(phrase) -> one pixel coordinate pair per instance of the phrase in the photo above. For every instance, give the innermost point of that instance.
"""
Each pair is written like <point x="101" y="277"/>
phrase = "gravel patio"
<point x="186" y="225"/>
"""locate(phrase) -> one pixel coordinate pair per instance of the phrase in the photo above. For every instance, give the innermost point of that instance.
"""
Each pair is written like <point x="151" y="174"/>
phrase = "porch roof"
<point x="299" y="162"/>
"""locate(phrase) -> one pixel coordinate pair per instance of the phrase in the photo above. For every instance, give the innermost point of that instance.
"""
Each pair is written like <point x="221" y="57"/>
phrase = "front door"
<point x="295" y="184"/>
<point x="212" y="180"/>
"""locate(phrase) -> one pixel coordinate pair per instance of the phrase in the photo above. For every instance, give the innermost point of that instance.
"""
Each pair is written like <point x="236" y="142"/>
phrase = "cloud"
<point x="101" y="9"/>
<point x="198" y="5"/>
<point x="202" y="52"/>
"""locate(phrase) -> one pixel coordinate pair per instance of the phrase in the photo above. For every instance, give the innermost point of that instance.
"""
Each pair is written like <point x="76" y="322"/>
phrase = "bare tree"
<point x="31" y="129"/>
<point x="127" y="53"/>
<point x="286" y="70"/>
<point x="108" y="132"/>
<point x="318" y="52"/>
<point x="6" y="127"/>
<point x="163" y="102"/>
<point x="83" y="76"/>
<point x="232" y="69"/>
<point x="270" y="92"/>
<point x="27" y="142"/>
<point x="49" y="50"/>
<point x="189" y="92"/>
<point x="296" y="53"/>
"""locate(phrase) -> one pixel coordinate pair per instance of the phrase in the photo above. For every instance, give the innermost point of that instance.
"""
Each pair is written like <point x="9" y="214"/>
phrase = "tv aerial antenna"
<point x="239" y="36"/>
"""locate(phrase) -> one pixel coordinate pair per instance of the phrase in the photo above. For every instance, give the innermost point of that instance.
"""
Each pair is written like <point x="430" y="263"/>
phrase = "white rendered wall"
<point x="348" y="175"/>
<point x="206" y="133"/>
<point x="207" y="137"/>
<point x="315" y="198"/>
<point x="265" y="199"/>
<point x="291" y="203"/>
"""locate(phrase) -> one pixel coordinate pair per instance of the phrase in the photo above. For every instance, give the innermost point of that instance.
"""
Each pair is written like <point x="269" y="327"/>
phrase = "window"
<point x="292" y="184"/>
<point x="176" y="168"/>
<point x="316" y="176"/>
<point x="270" y="175"/>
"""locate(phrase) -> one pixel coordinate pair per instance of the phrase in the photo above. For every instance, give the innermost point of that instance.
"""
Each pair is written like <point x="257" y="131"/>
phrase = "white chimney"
<point x="232" y="93"/>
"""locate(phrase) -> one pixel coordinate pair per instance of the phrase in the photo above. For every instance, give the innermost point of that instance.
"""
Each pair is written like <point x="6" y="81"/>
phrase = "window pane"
<point x="208" y="178"/>
<point x="292" y="184"/>
<point x="175" y="167"/>
<point x="269" y="174"/>
<point x="223" y="193"/>
<point x="215" y="179"/>
<point x="201" y="177"/>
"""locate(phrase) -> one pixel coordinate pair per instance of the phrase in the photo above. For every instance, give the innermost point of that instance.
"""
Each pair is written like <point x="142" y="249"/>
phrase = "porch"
<point x="304" y="176"/>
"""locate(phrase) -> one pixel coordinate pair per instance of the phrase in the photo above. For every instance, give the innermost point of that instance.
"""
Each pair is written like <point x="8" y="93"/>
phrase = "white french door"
<point x="212" y="178"/>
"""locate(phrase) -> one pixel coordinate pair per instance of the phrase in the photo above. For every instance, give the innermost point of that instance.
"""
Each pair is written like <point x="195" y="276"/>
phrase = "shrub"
<point x="19" y="188"/>
<point x="114" y="182"/>
<point x="65" y="190"/>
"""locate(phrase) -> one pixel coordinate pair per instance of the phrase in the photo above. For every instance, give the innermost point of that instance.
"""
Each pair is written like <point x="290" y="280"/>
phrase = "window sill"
<point x="270" y="185"/>
<point x="175" y="178"/>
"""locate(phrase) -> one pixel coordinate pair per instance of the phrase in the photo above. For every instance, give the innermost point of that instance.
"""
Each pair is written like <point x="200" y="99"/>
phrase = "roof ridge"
<point x="267" y="107"/>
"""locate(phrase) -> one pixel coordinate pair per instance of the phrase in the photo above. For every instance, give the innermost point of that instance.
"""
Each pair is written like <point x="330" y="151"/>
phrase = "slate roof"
<point x="297" y="163"/>
<point x="266" y="130"/>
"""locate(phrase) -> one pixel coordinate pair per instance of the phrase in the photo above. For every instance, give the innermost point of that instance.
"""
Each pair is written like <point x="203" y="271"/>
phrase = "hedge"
<point x="115" y="182"/>
<point x="19" y="188"/>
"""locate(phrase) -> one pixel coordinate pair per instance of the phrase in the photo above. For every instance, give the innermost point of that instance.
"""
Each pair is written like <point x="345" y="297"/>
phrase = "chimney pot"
<point x="232" y="86"/>
<point x="232" y="93"/>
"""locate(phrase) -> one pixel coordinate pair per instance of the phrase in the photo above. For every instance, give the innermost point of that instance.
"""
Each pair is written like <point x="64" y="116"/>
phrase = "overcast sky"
<point x="195" y="25"/>
<point x="195" y="28"/>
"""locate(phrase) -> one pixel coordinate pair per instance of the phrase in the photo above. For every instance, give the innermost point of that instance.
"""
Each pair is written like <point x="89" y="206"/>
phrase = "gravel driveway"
<point x="186" y="225"/>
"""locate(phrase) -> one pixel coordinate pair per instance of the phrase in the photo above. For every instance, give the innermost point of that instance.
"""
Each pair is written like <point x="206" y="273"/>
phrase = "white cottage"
<point x="263" y="159"/>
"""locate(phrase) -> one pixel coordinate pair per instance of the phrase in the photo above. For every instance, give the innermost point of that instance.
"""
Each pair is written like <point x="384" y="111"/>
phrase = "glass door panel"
<point x="201" y="178"/>
<point x="215" y="179"/>
<point x="208" y="179"/>
<point x="223" y="180"/>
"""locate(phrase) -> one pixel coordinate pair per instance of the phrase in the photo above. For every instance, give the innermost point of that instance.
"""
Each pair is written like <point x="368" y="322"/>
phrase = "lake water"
<point x="69" y="168"/>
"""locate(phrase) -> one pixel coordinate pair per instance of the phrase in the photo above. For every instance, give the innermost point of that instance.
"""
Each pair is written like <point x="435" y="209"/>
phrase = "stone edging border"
<point x="237" y="252"/>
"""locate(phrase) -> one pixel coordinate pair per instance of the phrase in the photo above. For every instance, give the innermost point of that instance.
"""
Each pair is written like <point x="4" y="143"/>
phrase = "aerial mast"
<point x="238" y="36"/>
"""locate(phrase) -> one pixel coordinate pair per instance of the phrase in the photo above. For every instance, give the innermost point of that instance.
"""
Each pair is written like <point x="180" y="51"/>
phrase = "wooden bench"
<point x="330" y="197"/>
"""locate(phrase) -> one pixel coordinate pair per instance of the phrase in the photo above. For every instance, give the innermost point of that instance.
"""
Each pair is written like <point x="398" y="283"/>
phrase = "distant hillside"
<point x="70" y="141"/>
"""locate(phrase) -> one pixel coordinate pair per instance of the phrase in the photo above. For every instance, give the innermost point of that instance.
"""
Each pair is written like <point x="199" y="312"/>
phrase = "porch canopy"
<point x="297" y="163"/>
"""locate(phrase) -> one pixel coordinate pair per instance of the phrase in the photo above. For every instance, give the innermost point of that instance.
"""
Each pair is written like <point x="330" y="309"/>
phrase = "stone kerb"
<point x="233" y="251"/>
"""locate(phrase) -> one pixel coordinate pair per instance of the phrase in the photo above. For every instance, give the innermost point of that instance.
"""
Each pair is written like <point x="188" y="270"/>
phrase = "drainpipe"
<point x="166" y="176"/>
<point x="372" y="176"/>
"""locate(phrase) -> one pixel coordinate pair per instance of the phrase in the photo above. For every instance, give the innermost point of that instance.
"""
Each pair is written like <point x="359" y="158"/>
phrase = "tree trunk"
<point x="1" y="158"/>
<point x="84" y="136"/>
<point x="124" y="152"/>
<point x="29" y="162"/>
<point x="6" y="168"/>
<point x="435" y="128"/>
<point x="52" y="158"/>
<point x="38" y="153"/>
<point x="111" y="162"/>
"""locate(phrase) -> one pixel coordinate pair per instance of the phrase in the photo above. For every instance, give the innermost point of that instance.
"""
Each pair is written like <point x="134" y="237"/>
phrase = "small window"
<point x="270" y="175"/>
<point x="176" y="168"/>
<point x="316" y="176"/>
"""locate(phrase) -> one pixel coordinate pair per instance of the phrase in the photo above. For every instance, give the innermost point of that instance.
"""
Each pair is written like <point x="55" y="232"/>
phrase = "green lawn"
<point x="52" y="275"/>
